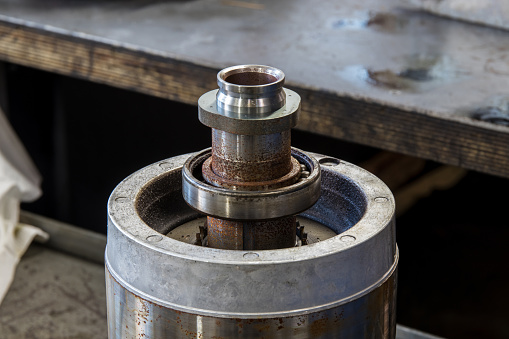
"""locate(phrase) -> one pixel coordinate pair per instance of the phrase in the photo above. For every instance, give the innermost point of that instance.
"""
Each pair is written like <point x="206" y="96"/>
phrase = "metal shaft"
<point x="251" y="235"/>
<point x="252" y="162"/>
<point x="251" y="157"/>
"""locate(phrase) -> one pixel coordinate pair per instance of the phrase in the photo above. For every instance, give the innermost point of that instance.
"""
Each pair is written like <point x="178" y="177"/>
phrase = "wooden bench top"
<point x="378" y="73"/>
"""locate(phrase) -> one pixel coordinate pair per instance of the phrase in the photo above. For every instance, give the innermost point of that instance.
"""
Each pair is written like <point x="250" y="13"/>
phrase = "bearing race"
<point x="250" y="205"/>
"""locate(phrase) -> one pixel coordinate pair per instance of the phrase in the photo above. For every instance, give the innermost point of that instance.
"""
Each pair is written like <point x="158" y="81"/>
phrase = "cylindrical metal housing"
<point x="342" y="287"/>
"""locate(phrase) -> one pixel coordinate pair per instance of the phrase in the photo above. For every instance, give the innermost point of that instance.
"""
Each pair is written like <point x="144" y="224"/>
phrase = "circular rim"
<point x="251" y="89"/>
<point x="122" y="214"/>
<point x="253" y="205"/>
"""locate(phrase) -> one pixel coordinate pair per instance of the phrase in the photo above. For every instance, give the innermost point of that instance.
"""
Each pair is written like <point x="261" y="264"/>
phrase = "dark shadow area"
<point x="453" y="275"/>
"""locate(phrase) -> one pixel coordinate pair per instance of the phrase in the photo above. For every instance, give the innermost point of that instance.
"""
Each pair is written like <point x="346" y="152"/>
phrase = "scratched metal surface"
<point x="382" y="51"/>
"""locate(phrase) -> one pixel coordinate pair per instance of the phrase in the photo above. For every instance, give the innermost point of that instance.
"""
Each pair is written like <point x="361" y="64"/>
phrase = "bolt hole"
<point x="250" y="255"/>
<point x="154" y="238"/>
<point x="348" y="238"/>
<point x="329" y="161"/>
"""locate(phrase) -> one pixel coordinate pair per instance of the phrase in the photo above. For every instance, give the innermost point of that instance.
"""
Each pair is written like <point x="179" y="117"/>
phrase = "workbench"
<point x="378" y="73"/>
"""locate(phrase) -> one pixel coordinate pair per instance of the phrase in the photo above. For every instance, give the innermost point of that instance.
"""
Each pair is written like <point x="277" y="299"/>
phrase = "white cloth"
<point x="19" y="181"/>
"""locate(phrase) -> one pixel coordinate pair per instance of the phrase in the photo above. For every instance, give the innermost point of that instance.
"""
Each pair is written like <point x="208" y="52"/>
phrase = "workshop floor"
<point x="54" y="296"/>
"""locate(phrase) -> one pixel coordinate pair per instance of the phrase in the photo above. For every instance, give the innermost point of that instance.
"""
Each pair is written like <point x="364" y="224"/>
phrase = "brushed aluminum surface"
<point x="369" y="316"/>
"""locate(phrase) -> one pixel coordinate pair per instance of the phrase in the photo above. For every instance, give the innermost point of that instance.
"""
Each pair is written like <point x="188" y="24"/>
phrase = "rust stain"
<point x="289" y="178"/>
<point x="318" y="327"/>
<point x="256" y="172"/>
<point x="251" y="235"/>
<point x="251" y="158"/>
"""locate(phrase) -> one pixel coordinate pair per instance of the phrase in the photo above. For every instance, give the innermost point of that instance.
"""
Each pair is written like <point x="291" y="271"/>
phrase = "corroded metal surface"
<point x="254" y="293"/>
<point x="251" y="235"/>
<point x="24" y="326"/>
<point x="251" y="157"/>
<point x="354" y="204"/>
<point x="287" y="179"/>
<point x="194" y="231"/>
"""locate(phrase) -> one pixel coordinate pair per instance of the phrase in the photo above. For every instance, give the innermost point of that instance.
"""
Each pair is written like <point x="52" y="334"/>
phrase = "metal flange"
<point x="280" y="120"/>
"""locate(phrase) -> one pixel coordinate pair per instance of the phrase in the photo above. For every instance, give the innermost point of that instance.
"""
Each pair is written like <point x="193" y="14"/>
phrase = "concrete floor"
<point x="54" y="295"/>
